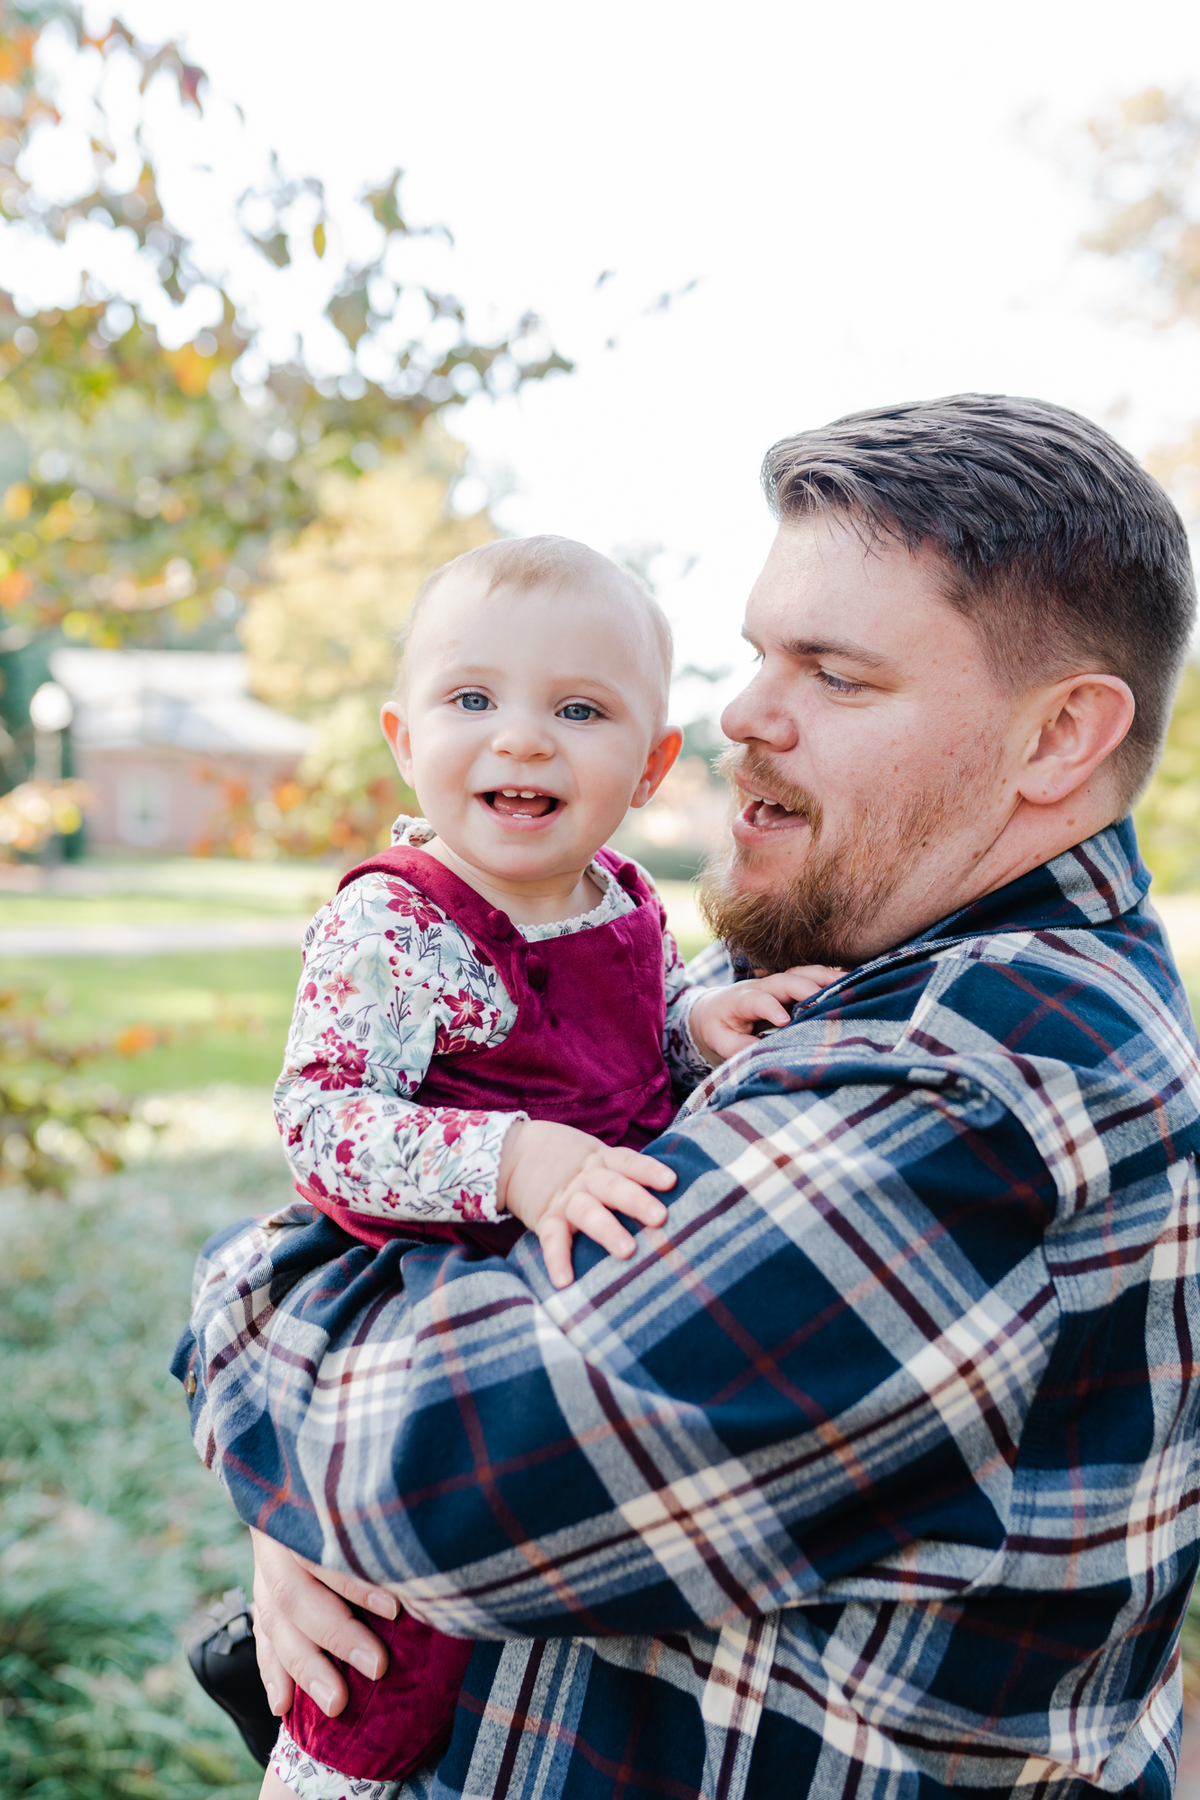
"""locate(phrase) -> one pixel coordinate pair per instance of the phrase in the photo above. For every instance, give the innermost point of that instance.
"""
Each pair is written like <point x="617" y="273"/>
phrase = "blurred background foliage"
<point x="150" y="483"/>
<point x="1168" y="816"/>
<point x="1147" y="157"/>
<point x="55" y="1122"/>
<point x="321" y="634"/>
<point x="112" y="1535"/>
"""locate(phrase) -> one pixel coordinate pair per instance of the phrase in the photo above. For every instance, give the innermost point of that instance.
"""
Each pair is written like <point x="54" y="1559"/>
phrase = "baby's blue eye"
<point x="577" y="712"/>
<point x="473" y="702"/>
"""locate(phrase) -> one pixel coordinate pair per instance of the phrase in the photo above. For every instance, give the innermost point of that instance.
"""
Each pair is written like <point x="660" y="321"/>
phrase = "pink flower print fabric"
<point x="410" y="904"/>
<point x="389" y="982"/>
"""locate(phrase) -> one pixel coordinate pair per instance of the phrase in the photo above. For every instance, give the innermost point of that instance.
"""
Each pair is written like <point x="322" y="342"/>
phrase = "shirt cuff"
<point x="684" y="1058"/>
<point x="437" y="1164"/>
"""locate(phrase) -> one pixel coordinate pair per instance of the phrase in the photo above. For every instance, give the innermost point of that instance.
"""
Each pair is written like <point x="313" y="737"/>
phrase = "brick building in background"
<point x="157" y="734"/>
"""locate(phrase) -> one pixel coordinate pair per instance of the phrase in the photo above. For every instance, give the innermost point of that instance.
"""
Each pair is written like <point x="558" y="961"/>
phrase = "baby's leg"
<point x="388" y="1728"/>
<point x="295" y="1774"/>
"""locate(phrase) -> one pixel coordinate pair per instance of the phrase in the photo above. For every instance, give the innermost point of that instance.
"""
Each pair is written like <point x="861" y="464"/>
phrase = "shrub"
<point x="112" y="1535"/>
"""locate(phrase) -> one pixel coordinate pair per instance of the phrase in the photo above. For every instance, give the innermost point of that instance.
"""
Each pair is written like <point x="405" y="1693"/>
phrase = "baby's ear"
<point x="658" y="765"/>
<point x="395" y="730"/>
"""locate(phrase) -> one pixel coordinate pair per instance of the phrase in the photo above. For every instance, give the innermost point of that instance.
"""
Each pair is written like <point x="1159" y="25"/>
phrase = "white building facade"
<point x="164" y="738"/>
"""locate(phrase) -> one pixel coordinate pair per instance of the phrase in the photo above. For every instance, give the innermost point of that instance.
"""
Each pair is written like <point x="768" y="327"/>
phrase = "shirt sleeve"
<point x="387" y="981"/>
<point x="684" y="1061"/>
<point x="684" y="983"/>
<point x="806" y="1386"/>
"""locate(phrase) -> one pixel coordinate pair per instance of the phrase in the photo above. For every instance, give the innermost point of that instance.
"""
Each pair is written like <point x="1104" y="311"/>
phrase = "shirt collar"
<point x="1090" y="884"/>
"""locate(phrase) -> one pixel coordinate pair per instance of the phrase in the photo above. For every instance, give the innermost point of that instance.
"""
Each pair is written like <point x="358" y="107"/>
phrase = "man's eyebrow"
<point x="858" y="653"/>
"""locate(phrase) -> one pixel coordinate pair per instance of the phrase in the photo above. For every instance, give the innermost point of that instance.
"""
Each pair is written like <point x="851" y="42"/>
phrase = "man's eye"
<point x="837" y="684"/>
<point x="472" y="702"/>
<point x="578" y="712"/>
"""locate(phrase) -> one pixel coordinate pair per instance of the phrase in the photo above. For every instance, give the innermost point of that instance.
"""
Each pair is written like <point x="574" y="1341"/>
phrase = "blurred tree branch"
<point x="1147" y="158"/>
<point x="140" y="484"/>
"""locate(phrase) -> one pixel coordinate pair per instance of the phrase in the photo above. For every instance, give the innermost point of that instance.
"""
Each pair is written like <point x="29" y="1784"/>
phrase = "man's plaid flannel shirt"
<point x="872" y="1474"/>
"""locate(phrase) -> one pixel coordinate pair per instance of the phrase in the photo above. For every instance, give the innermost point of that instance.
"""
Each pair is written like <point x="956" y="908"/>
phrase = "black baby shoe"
<point x="223" y="1662"/>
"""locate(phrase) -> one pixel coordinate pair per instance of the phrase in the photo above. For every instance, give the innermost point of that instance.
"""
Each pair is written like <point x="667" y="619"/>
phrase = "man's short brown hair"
<point x="1061" y="550"/>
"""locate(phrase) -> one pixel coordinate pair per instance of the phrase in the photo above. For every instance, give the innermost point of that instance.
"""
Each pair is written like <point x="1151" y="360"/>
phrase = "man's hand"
<point x="296" y="1616"/>
<point x="721" y="1021"/>
<point x="558" y="1181"/>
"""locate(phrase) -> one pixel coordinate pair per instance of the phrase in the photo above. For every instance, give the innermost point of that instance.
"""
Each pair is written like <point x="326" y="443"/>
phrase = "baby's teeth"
<point x="510" y="793"/>
<point x="525" y="796"/>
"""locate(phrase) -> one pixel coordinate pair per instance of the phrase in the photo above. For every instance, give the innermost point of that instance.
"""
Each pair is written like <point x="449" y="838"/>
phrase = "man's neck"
<point x="957" y="874"/>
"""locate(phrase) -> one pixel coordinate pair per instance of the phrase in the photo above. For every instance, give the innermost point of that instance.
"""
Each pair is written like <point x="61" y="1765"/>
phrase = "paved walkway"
<point x="153" y="940"/>
<point x="1180" y="914"/>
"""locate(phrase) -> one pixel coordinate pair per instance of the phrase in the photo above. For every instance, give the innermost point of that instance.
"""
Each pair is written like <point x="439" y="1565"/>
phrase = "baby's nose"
<point x="522" y="736"/>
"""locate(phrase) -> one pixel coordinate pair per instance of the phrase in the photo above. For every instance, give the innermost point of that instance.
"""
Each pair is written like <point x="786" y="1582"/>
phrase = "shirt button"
<point x="535" y="969"/>
<point x="500" y="923"/>
<point x="189" y="1386"/>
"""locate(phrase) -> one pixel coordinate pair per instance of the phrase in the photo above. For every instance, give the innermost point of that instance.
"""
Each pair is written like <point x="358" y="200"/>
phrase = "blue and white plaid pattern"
<point x="872" y="1474"/>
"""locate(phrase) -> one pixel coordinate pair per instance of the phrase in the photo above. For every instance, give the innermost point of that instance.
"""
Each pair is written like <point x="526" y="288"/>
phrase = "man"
<point x="874" y="1470"/>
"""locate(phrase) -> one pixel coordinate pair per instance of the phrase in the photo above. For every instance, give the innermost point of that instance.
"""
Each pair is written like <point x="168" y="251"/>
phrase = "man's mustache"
<point x="754" y="773"/>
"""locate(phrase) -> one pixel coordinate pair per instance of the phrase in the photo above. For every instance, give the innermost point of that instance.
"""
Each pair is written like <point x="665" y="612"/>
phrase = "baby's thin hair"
<point x="544" y="561"/>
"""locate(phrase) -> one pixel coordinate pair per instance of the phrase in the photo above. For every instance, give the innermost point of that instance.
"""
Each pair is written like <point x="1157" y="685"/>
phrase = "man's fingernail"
<point x="366" y="1662"/>
<point x="273" y="1700"/>
<point x="383" y="1604"/>
<point x="322" y="1692"/>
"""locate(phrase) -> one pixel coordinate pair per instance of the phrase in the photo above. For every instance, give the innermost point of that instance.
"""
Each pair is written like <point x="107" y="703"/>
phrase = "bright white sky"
<point x="879" y="201"/>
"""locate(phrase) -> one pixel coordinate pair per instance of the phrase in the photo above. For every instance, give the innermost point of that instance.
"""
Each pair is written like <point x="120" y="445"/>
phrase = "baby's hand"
<point x="558" y="1181"/>
<point x="721" y="1021"/>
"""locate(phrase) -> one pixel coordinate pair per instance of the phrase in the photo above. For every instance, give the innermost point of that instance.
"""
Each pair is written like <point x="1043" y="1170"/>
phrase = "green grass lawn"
<point x="225" y="1012"/>
<point x="112" y="1535"/>
<point x="127" y="909"/>
<point x="200" y="883"/>
<point x="228" y="1011"/>
<point x="176" y="891"/>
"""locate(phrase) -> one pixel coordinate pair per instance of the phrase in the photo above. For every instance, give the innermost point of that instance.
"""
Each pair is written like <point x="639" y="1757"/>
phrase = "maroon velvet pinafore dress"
<point x="586" y="1050"/>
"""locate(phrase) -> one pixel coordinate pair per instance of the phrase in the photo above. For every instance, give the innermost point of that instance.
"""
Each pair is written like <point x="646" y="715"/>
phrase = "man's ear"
<point x="658" y="763"/>
<point x="1082" y="720"/>
<point x="395" y="730"/>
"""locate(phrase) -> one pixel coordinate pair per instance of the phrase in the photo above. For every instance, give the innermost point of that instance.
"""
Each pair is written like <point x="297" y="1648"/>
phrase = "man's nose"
<point x="760" y="714"/>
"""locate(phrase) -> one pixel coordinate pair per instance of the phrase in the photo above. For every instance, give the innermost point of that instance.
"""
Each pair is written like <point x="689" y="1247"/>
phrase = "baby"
<point x="493" y="1016"/>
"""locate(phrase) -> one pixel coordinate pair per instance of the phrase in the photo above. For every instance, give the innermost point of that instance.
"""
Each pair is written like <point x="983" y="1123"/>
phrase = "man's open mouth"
<point x="769" y="815"/>
<point x="521" y="803"/>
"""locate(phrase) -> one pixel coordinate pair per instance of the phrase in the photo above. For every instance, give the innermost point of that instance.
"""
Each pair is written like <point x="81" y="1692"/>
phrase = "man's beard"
<point x="825" y="914"/>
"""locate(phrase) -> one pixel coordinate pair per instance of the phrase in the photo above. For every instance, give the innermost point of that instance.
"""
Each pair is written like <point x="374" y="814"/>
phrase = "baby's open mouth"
<point x="521" y="803"/>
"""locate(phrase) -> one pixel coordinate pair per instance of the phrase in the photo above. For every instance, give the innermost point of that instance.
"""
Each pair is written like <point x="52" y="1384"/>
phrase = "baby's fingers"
<point x="758" y="1002"/>
<point x="615" y="1190"/>
<point x="554" y="1235"/>
<point x="636" y="1167"/>
<point x="812" y="976"/>
<point x="599" y="1195"/>
<point x="591" y="1216"/>
<point x="728" y="1035"/>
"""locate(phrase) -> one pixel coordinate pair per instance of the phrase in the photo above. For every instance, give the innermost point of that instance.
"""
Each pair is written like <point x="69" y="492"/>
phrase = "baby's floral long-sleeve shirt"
<point x="389" y="982"/>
